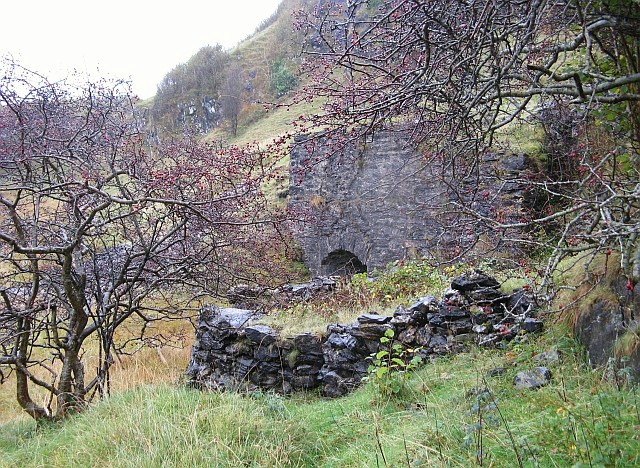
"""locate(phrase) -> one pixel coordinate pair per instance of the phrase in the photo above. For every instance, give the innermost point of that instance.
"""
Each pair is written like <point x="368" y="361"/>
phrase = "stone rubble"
<point x="255" y="297"/>
<point x="233" y="350"/>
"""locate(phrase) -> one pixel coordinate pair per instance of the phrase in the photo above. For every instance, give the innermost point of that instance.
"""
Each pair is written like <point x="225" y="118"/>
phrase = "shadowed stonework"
<point x="342" y="262"/>
<point x="233" y="350"/>
<point x="381" y="200"/>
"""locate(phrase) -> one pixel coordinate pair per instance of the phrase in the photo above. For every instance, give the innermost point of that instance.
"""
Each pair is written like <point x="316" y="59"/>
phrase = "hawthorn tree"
<point x="454" y="74"/>
<point x="99" y="229"/>
<point x="231" y="95"/>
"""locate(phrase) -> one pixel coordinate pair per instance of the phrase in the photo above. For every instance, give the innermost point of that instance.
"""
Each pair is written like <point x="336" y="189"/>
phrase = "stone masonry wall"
<point x="379" y="201"/>
<point x="233" y="350"/>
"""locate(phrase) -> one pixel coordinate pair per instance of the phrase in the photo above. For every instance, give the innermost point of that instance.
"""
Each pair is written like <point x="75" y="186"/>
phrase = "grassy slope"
<point x="151" y="365"/>
<point x="578" y="418"/>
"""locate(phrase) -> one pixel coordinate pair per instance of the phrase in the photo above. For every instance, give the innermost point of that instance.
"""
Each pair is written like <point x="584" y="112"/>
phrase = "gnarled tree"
<point x="97" y="229"/>
<point x="453" y="73"/>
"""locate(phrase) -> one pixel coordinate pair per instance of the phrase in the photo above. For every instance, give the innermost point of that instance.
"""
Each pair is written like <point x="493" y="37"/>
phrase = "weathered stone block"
<point x="260" y="334"/>
<point x="473" y="280"/>
<point x="531" y="325"/>
<point x="533" y="379"/>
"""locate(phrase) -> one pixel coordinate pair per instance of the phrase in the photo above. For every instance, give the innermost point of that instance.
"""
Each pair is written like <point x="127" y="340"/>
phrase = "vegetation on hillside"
<point x="408" y="65"/>
<point x="185" y="89"/>
<point x="216" y="88"/>
<point x="454" y="412"/>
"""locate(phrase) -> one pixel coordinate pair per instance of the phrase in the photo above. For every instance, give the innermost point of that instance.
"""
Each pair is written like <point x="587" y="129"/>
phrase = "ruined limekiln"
<point x="377" y="202"/>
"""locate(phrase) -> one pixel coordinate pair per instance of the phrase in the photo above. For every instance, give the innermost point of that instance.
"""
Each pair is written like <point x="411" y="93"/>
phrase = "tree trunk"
<point x="22" y="379"/>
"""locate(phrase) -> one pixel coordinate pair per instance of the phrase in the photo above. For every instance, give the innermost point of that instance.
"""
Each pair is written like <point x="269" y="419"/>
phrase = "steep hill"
<point x="456" y="411"/>
<point x="225" y="92"/>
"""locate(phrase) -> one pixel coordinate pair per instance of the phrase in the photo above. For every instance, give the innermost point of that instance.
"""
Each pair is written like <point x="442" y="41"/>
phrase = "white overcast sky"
<point x="137" y="39"/>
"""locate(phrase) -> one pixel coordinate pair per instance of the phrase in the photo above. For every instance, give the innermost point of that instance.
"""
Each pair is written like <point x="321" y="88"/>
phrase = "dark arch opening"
<point x="342" y="263"/>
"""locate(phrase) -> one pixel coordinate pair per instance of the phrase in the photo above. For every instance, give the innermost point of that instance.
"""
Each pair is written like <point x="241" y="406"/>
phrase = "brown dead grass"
<point x="150" y="365"/>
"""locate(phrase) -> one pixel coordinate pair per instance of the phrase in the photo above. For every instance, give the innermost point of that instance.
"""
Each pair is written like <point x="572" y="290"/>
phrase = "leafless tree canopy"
<point x="232" y="95"/>
<point x="97" y="228"/>
<point x="452" y="73"/>
<point x="441" y="63"/>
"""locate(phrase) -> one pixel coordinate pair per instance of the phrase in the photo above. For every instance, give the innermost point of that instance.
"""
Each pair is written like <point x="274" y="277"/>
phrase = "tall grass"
<point x="147" y="366"/>
<point x="455" y="414"/>
<point x="162" y="426"/>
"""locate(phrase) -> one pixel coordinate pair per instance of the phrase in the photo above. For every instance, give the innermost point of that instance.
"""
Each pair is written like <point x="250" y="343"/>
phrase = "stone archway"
<point x="342" y="262"/>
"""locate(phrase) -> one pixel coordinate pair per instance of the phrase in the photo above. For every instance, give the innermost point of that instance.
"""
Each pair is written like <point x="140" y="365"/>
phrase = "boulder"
<point x="532" y="379"/>
<point x="531" y="325"/>
<point x="548" y="357"/>
<point x="473" y="280"/>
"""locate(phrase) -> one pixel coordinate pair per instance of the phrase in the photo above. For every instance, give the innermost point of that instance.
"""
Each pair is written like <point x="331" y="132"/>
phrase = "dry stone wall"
<point x="233" y="350"/>
<point x="381" y="200"/>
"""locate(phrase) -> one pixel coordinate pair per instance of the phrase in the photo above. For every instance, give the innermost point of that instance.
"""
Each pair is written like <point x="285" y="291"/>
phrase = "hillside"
<point x="225" y="93"/>
<point x="574" y="207"/>
<point x="456" y="411"/>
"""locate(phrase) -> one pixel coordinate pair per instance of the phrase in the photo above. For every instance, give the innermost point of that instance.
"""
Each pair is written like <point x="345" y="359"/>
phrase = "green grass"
<point x="264" y="126"/>
<point x="161" y="426"/>
<point x="576" y="420"/>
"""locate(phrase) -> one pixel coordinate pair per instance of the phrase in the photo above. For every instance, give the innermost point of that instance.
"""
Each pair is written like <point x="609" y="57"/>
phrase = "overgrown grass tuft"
<point x="454" y="414"/>
<point x="163" y="426"/>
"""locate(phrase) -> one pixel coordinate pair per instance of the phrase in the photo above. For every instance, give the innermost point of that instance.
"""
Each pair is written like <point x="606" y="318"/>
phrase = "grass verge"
<point x="454" y="413"/>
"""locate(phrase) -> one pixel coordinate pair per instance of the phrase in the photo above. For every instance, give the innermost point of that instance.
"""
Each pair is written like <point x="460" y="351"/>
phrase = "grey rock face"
<point x="600" y="328"/>
<point x="377" y="201"/>
<point x="606" y="320"/>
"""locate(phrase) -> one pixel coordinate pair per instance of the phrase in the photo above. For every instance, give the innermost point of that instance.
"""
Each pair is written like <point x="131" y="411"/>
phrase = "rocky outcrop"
<point x="605" y="319"/>
<point x="234" y="350"/>
<point x="200" y="116"/>
<point x="381" y="200"/>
